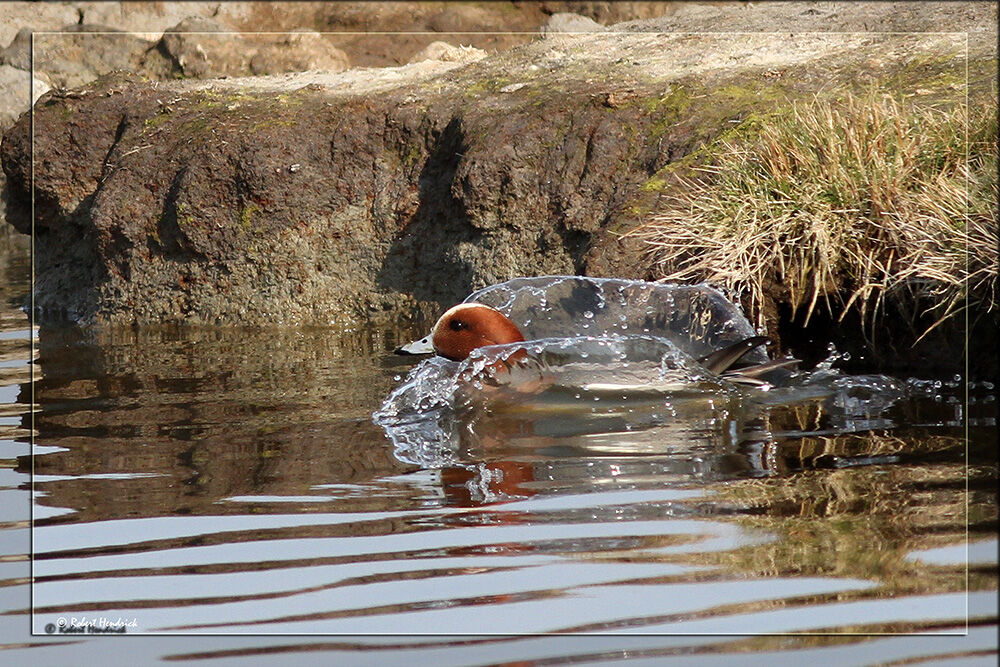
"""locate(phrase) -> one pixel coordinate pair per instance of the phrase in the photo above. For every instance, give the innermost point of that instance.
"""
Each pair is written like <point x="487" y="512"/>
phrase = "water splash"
<point x="610" y="365"/>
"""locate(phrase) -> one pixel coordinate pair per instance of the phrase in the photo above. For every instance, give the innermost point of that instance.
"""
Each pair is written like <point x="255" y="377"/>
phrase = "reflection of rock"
<point x="209" y="414"/>
<point x="15" y="271"/>
<point x="175" y="474"/>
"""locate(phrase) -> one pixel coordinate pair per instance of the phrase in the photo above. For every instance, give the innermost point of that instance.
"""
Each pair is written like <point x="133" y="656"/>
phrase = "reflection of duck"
<point x="470" y="326"/>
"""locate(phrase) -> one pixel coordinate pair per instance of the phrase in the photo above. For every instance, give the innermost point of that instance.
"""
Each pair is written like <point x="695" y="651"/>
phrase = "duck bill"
<point x="422" y="346"/>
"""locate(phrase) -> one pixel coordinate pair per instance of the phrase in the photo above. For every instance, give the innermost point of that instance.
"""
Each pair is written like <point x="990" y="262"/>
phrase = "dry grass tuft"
<point x="849" y="202"/>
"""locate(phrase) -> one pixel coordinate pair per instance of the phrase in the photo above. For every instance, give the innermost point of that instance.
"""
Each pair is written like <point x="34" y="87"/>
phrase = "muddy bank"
<point x="319" y="197"/>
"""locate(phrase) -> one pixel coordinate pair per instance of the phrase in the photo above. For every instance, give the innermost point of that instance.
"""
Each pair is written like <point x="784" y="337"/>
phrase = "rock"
<point x="462" y="18"/>
<point x="81" y="53"/>
<point x="607" y="13"/>
<point x="319" y="197"/>
<point x="18" y="52"/>
<point x="15" y="91"/>
<point x="566" y="22"/>
<point x="198" y="53"/>
<point x="277" y="16"/>
<point x="491" y="26"/>
<point x="147" y="19"/>
<point x="35" y="16"/>
<point x="74" y="54"/>
<point x="820" y="16"/>
<point x="16" y="86"/>
<point x="446" y="52"/>
<point x="298" y="52"/>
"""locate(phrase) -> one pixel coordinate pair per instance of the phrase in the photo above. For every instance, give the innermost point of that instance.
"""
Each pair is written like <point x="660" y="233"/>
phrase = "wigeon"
<point x="464" y="328"/>
<point x="470" y="326"/>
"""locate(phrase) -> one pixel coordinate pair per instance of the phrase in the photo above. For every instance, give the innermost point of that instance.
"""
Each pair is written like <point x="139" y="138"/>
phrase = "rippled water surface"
<point x="232" y="484"/>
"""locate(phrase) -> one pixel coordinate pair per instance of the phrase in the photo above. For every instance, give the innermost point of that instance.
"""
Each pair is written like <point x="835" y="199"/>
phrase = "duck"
<point x="592" y="364"/>
<point x="470" y="326"/>
<point x="464" y="328"/>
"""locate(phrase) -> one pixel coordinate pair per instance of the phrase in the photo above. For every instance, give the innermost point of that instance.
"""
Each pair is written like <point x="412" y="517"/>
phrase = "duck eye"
<point x="457" y="325"/>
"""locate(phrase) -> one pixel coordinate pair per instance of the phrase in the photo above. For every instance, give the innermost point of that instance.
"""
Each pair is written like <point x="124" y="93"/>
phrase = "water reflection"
<point x="232" y="481"/>
<point x="206" y="414"/>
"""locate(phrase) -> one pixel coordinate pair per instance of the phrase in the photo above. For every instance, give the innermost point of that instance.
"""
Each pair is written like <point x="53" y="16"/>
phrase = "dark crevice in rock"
<point x="423" y="258"/>
<point x="106" y="164"/>
<point x="577" y="243"/>
<point x="169" y="240"/>
<point x="118" y="249"/>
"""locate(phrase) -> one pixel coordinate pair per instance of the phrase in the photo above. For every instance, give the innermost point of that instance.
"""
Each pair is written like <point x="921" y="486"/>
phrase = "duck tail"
<point x="722" y="360"/>
<point x="751" y="374"/>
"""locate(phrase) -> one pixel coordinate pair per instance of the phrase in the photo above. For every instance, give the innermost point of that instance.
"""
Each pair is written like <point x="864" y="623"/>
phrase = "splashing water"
<point x="610" y="365"/>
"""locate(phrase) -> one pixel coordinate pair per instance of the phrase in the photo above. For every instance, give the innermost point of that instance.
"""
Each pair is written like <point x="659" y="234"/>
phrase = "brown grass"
<point x="847" y="203"/>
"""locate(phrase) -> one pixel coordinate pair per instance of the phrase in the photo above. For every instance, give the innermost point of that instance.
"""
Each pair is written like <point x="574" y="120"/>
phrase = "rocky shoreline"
<point x="340" y="194"/>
